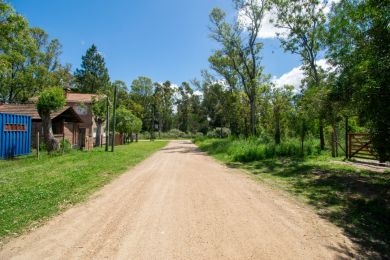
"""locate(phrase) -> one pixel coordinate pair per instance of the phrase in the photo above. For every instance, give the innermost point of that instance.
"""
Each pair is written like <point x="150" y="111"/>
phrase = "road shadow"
<point x="356" y="201"/>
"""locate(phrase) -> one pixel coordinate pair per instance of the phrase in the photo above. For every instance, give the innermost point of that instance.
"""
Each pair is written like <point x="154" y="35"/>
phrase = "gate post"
<point x="347" y="152"/>
<point x="333" y="145"/>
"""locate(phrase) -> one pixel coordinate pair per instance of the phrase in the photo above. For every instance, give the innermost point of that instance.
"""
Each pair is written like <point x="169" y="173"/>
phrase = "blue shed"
<point x="15" y="135"/>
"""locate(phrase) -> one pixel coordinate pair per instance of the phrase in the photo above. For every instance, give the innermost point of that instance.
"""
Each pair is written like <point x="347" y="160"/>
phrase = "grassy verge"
<point x="356" y="200"/>
<point x="32" y="190"/>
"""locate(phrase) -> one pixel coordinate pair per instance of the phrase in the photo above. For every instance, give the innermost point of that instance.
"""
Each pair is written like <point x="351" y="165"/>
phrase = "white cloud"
<point x="325" y="65"/>
<point x="268" y="29"/>
<point x="295" y="76"/>
<point x="198" y="93"/>
<point x="174" y="86"/>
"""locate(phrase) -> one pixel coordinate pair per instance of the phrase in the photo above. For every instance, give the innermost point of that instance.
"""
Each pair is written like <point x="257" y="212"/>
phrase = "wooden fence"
<point x="360" y="146"/>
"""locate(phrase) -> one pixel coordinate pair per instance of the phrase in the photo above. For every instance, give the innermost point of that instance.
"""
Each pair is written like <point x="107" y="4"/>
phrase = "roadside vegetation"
<point x="343" y="48"/>
<point x="32" y="190"/>
<point x="356" y="200"/>
<point x="280" y="132"/>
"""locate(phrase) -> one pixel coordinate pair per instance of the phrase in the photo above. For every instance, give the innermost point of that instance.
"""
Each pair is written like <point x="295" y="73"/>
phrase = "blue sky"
<point x="164" y="40"/>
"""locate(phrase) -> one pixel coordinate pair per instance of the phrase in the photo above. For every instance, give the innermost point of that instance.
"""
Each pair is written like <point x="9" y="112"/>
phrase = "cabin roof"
<point x="67" y="113"/>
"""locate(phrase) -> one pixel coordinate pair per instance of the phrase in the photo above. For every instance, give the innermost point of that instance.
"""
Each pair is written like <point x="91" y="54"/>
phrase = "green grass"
<point x="248" y="150"/>
<point x="32" y="190"/>
<point x="358" y="201"/>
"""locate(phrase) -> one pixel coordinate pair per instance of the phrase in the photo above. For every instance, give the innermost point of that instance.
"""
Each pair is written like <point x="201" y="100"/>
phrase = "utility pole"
<point x="107" y="122"/>
<point x="113" y="121"/>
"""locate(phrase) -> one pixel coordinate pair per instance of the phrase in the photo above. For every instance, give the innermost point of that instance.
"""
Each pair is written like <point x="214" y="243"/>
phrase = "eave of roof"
<point x="31" y="110"/>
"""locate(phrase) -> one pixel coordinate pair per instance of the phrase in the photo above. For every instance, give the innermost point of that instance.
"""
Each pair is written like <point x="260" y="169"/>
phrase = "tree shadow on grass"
<point x="357" y="201"/>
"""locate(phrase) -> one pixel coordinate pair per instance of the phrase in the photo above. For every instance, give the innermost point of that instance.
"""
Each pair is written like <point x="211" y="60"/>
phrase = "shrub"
<point x="65" y="145"/>
<point x="174" y="133"/>
<point x="219" y="133"/>
<point x="253" y="149"/>
<point x="42" y="147"/>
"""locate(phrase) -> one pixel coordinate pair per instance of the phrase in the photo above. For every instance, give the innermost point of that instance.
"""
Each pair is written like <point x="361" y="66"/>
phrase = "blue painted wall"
<point x="14" y="142"/>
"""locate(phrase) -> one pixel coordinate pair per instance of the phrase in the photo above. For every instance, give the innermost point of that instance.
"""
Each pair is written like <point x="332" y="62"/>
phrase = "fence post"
<point x="114" y="120"/>
<point x="347" y="153"/>
<point x="107" y="122"/>
<point x="38" y="145"/>
<point x="349" y="146"/>
<point x="63" y="142"/>
<point x="336" y="141"/>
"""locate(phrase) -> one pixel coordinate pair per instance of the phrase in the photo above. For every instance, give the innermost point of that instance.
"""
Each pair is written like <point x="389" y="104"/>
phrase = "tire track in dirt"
<point x="182" y="204"/>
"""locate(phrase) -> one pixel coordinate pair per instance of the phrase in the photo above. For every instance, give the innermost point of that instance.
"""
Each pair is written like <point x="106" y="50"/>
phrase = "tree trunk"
<point x="159" y="127"/>
<point x="136" y="138"/>
<point x="303" y="133"/>
<point x="51" y="143"/>
<point x="322" y="137"/>
<point x="253" y="117"/>
<point x="277" y="127"/>
<point x="99" y="124"/>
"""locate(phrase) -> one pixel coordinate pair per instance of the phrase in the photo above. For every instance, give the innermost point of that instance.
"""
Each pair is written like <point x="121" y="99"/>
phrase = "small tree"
<point x="50" y="100"/>
<point x="127" y="123"/>
<point x="136" y="126"/>
<point x="99" y="110"/>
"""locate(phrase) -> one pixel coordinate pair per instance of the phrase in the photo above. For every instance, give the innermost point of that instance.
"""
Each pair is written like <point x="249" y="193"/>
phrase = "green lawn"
<point x="356" y="200"/>
<point x="32" y="190"/>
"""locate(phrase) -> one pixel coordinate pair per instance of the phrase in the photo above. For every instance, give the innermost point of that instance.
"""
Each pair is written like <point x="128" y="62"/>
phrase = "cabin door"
<point x="82" y="138"/>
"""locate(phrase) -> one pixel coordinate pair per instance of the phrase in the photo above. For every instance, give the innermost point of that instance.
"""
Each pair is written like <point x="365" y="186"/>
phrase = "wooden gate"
<point x="360" y="146"/>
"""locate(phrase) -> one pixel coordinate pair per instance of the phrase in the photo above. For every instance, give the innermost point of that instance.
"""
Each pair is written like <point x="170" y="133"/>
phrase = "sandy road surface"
<point x="181" y="204"/>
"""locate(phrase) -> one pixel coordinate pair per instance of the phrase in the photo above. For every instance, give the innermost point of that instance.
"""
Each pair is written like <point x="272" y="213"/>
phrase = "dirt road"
<point x="181" y="204"/>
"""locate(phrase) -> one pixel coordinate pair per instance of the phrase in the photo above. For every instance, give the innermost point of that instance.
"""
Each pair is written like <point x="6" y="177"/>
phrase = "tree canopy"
<point x="93" y="76"/>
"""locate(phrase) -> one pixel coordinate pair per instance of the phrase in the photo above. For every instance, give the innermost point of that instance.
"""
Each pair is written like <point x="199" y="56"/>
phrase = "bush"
<point x="65" y="145"/>
<point x="198" y="135"/>
<point x="171" y="134"/>
<point x="174" y="133"/>
<point x="253" y="149"/>
<point x="219" y="133"/>
<point x="144" y="135"/>
<point x="42" y="147"/>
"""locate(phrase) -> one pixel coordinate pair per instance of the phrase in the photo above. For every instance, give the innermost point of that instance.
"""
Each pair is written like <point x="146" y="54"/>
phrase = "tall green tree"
<point x="281" y="100"/>
<point x="240" y="49"/>
<point x="359" y="48"/>
<point x="93" y="76"/>
<point x="142" y="93"/>
<point x="183" y="104"/>
<point x="29" y="61"/>
<point x="163" y="99"/>
<point x="304" y="22"/>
